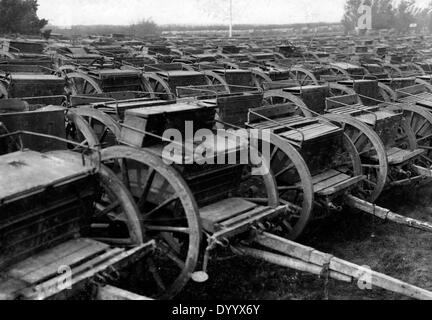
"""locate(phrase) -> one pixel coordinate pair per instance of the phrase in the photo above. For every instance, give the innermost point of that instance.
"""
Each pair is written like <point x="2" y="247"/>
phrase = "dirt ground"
<point x="397" y="251"/>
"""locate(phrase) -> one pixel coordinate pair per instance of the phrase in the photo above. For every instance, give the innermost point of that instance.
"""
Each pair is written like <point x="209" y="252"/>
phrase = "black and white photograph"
<point x="201" y="152"/>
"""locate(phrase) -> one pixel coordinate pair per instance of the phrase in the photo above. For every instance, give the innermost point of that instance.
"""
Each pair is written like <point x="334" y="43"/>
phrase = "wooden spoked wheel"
<point x="387" y="93"/>
<point x="115" y="216"/>
<point x="337" y="90"/>
<point x="420" y="122"/>
<point x="372" y="154"/>
<point x="216" y="81"/>
<point x="279" y="98"/>
<point x="103" y="126"/>
<point x="259" y="78"/>
<point x="415" y="69"/>
<point x="67" y="69"/>
<point x="257" y="184"/>
<point x="294" y="183"/>
<point x="279" y="56"/>
<point x="79" y="131"/>
<point x="82" y="84"/>
<point x="159" y="87"/>
<point x="340" y="72"/>
<point x="168" y="213"/>
<point x="393" y="71"/>
<point x="304" y="77"/>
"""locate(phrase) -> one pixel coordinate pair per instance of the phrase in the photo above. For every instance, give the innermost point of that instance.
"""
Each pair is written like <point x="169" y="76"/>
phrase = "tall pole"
<point x="231" y="21"/>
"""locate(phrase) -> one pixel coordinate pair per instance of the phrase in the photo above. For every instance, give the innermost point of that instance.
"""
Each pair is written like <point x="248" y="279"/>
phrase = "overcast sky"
<point x="87" y="12"/>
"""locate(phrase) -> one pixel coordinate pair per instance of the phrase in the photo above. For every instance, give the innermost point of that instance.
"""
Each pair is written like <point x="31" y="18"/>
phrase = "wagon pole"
<point x="385" y="214"/>
<point x="306" y="259"/>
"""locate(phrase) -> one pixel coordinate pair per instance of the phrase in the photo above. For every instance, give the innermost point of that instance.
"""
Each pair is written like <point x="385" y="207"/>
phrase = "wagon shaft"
<point x="306" y="259"/>
<point x="386" y="214"/>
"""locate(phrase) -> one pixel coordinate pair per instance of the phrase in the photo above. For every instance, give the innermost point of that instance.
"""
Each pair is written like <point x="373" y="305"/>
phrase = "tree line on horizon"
<point x="20" y="17"/>
<point x="389" y="14"/>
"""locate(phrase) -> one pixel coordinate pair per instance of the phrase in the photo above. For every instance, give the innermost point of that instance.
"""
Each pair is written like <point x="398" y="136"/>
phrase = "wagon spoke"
<point x="370" y="182"/>
<point x="425" y="147"/>
<point x="81" y="145"/>
<point x="425" y="122"/>
<point x="105" y="210"/>
<point x="176" y="260"/>
<point x="288" y="188"/>
<point x="424" y="138"/>
<point x="161" y="206"/>
<point x="288" y="226"/>
<point x="148" y="184"/>
<point x="85" y="86"/>
<point x="181" y="230"/>
<point x="372" y="166"/>
<point x="273" y="154"/>
<point x="155" y="274"/>
<point x="125" y="173"/>
<point x="360" y="143"/>
<point x="172" y="243"/>
<point x="356" y="139"/>
<point x="172" y="253"/>
<point x="104" y="135"/>
<point x="411" y="119"/>
<point x="291" y="166"/>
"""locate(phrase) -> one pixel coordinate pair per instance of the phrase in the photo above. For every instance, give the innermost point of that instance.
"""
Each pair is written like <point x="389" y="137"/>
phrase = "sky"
<point x="123" y="12"/>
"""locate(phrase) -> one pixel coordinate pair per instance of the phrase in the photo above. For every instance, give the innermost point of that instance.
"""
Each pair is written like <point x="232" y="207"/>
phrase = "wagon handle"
<point x="410" y="94"/>
<point x="151" y="67"/>
<point x="19" y="143"/>
<point x="44" y="97"/>
<point x="316" y="114"/>
<point x="394" y="104"/>
<point x="197" y="89"/>
<point x="16" y="49"/>
<point x="355" y="106"/>
<point x="150" y="134"/>
<point x="41" y="135"/>
<point x="279" y="123"/>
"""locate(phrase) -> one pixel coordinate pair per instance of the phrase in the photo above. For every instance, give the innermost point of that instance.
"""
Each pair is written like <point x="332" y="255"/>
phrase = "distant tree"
<point x="144" y="28"/>
<point x="383" y="14"/>
<point x="20" y="16"/>
<point x="46" y="33"/>
<point x="423" y="17"/>
<point x="404" y="15"/>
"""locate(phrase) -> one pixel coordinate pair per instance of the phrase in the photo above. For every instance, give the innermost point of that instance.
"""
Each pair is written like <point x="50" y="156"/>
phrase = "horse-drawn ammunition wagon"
<point x="19" y="81"/>
<point x="67" y="223"/>
<point x="197" y="206"/>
